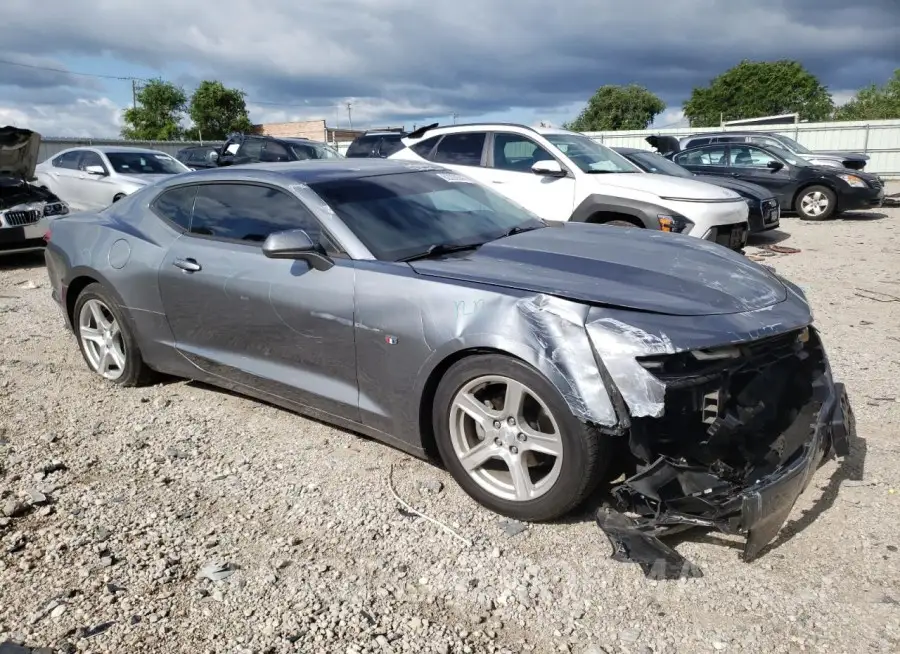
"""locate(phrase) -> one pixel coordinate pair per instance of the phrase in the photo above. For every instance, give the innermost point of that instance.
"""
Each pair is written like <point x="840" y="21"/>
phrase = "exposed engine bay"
<point x="744" y="429"/>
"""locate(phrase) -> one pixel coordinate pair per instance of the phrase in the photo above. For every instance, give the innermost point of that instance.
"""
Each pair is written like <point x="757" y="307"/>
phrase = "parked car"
<point x="198" y="157"/>
<point x="851" y="160"/>
<point x="25" y="209"/>
<point x="566" y="176"/>
<point x="814" y="192"/>
<point x="244" y="149"/>
<point x="419" y="307"/>
<point x="765" y="212"/>
<point x="376" y="144"/>
<point x="91" y="178"/>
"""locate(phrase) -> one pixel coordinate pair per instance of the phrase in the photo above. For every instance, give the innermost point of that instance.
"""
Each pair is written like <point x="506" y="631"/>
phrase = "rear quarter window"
<point x="175" y="206"/>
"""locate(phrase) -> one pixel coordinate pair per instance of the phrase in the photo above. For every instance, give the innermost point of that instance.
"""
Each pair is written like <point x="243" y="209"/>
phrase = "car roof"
<point x="310" y="171"/>
<point x="116" y="148"/>
<point x="498" y="127"/>
<point x="731" y="133"/>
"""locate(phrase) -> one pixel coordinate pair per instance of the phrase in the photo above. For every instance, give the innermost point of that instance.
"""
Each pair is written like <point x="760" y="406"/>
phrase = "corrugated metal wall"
<point x="880" y="139"/>
<point x="50" y="146"/>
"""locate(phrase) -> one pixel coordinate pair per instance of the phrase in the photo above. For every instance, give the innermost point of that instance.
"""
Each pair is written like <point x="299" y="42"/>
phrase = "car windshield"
<point x="589" y="155"/>
<point x="314" y="151"/>
<point x="656" y="163"/>
<point x="792" y="159"/>
<point x="403" y="215"/>
<point x="792" y="145"/>
<point x="145" y="163"/>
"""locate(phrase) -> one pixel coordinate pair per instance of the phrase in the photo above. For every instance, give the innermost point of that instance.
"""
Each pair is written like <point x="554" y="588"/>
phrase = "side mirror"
<point x="95" y="170"/>
<point x="548" y="168"/>
<point x="297" y="245"/>
<point x="775" y="165"/>
<point x="212" y="156"/>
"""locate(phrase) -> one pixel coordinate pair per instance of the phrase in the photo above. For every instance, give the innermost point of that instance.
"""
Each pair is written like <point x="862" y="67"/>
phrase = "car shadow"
<point x="22" y="261"/>
<point x="770" y="237"/>
<point x="861" y="216"/>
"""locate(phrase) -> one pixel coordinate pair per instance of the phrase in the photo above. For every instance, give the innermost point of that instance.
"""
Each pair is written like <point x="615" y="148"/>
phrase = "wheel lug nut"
<point x="514" y="449"/>
<point x="497" y="424"/>
<point x="510" y="421"/>
<point x="498" y="442"/>
<point x="521" y="437"/>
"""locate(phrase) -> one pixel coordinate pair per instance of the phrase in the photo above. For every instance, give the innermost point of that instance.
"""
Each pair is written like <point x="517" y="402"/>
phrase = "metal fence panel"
<point x="880" y="139"/>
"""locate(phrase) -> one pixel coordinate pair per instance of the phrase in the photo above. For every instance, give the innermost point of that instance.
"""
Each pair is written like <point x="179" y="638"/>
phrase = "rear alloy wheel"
<point x="118" y="197"/>
<point x="816" y="203"/>
<point x="106" y="343"/>
<point x="509" y="439"/>
<point x="619" y="223"/>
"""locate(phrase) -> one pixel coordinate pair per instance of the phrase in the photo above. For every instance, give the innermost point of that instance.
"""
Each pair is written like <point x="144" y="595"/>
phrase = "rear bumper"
<point x="756" y="511"/>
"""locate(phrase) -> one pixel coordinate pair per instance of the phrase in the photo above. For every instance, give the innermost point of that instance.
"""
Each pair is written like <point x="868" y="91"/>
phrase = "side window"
<point x="90" y="159"/>
<point x="517" y="153"/>
<point x="175" y="205"/>
<point x="248" y="212"/>
<point x="696" y="143"/>
<point x="251" y="148"/>
<point x="68" y="160"/>
<point x="460" y="149"/>
<point x="748" y="157"/>
<point x="362" y="146"/>
<point x="274" y="151"/>
<point x="710" y="156"/>
<point x="390" y="145"/>
<point x="423" y="148"/>
<point x="766" y="140"/>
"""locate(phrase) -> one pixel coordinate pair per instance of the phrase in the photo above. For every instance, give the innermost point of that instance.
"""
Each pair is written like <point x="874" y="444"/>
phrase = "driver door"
<point x="751" y="164"/>
<point x="94" y="191"/>
<point x="509" y="165"/>
<point x="277" y="326"/>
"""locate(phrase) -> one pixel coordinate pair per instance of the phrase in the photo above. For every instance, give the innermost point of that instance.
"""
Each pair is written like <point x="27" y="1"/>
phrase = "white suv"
<point x="563" y="175"/>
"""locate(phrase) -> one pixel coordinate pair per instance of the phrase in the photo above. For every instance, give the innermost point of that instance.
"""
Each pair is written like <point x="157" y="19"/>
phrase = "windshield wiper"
<point x="441" y="248"/>
<point x="518" y="229"/>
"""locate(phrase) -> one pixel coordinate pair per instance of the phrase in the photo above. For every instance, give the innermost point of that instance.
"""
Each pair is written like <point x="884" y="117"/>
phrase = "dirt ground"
<point x="142" y="488"/>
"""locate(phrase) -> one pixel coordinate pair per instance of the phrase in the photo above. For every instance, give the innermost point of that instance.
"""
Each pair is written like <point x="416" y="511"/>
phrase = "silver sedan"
<point x="91" y="178"/>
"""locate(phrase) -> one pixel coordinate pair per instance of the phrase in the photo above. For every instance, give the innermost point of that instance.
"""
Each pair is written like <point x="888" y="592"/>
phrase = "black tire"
<point x="619" y="223"/>
<point x="586" y="451"/>
<point x="826" y="193"/>
<point x="135" y="371"/>
<point x="118" y="197"/>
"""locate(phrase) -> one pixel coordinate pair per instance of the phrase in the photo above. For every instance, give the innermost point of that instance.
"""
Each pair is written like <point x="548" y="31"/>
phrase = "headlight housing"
<point x="826" y="162"/>
<point x="853" y="180"/>
<point x="673" y="223"/>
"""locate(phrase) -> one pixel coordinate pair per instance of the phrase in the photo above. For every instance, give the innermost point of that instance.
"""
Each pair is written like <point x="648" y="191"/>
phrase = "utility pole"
<point x="454" y="115"/>
<point x="349" y="116"/>
<point x="134" y="94"/>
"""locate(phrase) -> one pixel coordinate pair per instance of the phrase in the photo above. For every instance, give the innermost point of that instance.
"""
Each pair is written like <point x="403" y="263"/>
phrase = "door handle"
<point x="735" y="174"/>
<point x="187" y="265"/>
<point x="496" y="181"/>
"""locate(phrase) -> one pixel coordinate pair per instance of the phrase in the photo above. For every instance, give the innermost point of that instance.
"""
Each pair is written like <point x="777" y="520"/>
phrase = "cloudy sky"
<point x="409" y="61"/>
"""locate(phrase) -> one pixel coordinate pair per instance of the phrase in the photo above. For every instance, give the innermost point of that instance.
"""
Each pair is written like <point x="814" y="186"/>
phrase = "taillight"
<point x="46" y="236"/>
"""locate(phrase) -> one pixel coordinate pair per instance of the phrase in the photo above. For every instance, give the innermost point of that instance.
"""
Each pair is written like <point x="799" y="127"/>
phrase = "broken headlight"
<point x="56" y="209"/>
<point x="673" y="223"/>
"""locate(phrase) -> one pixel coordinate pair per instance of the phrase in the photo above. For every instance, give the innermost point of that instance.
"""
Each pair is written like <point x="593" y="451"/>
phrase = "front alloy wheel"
<point x="816" y="203"/>
<point x="506" y="438"/>
<point x="511" y="441"/>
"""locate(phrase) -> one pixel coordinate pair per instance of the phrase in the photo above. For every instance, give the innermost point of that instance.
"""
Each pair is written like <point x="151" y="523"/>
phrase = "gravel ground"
<point x="116" y="500"/>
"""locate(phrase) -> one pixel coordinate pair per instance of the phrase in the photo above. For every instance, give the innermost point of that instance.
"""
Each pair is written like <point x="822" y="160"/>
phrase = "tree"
<point x="873" y="103"/>
<point x="759" y="88"/>
<point x="217" y="111"/>
<point x="618" y="107"/>
<point x="157" y="114"/>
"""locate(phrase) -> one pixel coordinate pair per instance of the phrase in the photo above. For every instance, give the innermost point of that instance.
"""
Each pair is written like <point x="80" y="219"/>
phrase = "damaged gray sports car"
<point x="533" y="360"/>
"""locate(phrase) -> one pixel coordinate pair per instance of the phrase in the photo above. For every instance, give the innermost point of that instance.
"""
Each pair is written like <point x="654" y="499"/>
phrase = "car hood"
<point x="18" y="152"/>
<point x="741" y="187"/>
<point x="142" y="180"/>
<point x="666" y="186"/>
<point x="634" y="269"/>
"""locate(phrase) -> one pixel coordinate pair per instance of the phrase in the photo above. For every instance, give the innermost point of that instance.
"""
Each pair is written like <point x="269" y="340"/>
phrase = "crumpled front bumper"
<point x="757" y="511"/>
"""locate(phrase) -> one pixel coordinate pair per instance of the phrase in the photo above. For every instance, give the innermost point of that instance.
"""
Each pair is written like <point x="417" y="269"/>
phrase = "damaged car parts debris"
<point x="532" y="358"/>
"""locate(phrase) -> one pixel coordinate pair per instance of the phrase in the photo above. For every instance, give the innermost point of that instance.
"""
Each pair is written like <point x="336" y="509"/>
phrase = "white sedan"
<point x="91" y="178"/>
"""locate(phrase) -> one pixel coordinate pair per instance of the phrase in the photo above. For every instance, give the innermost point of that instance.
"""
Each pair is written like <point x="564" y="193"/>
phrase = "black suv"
<point x="376" y="144"/>
<point x="244" y="149"/>
<point x="198" y="156"/>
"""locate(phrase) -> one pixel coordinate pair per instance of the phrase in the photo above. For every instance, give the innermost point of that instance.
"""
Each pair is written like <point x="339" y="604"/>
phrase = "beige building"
<point x="315" y="130"/>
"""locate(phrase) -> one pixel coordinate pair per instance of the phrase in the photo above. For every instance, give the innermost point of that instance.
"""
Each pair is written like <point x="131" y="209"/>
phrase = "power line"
<point x="128" y="79"/>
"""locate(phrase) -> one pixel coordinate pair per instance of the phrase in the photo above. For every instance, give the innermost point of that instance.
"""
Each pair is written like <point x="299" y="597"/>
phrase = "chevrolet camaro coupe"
<point x="534" y="360"/>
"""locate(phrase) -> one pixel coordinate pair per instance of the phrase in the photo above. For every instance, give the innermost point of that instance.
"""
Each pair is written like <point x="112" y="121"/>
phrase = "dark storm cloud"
<point x="470" y="56"/>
